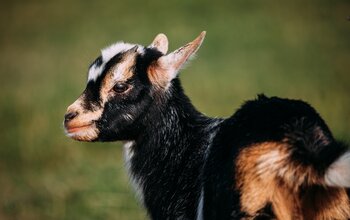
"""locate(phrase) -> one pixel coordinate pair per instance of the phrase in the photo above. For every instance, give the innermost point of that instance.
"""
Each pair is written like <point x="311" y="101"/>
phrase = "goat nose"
<point x="69" y="116"/>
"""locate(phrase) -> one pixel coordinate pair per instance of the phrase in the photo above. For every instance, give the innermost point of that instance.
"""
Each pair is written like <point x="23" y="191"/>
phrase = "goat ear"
<point x="167" y="67"/>
<point x="160" y="42"/>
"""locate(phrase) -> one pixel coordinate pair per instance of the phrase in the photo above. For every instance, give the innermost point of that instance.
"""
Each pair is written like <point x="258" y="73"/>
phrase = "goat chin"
<point x="86" y="133"/>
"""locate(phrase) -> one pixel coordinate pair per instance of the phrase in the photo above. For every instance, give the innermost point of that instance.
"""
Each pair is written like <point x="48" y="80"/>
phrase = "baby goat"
<point x="273" y="159"/>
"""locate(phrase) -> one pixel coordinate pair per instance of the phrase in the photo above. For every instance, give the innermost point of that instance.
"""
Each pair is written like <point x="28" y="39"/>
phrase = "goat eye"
<point x="120" y="87"/>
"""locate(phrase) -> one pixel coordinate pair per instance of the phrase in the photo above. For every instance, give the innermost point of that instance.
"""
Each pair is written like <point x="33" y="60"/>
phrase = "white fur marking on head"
<point x="111" y="51"/>
<point x="95" y="72"/>
<point x="107" y="54"/>
<point x="338" y="174"/>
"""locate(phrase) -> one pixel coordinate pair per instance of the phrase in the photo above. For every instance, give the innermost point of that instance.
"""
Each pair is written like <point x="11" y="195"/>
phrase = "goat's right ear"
<point x="167" y="67"/>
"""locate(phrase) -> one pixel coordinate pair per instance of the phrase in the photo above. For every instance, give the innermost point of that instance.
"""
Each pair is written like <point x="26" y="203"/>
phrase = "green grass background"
<point x="296" y="49"/>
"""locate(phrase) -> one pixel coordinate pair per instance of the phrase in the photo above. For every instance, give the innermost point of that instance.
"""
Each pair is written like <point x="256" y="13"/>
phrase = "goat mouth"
<point x="75" y="129"/>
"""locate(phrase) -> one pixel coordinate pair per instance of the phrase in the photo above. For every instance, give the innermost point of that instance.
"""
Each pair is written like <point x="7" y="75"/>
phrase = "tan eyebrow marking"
<point x="121" y="72"/>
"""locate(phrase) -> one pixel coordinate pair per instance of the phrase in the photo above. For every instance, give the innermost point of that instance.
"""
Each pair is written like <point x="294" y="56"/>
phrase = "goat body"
<point x="273" y="159"/>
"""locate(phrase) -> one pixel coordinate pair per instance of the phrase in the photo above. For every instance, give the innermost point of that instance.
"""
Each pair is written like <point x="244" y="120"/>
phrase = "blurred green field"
<point x="296" y="49"/>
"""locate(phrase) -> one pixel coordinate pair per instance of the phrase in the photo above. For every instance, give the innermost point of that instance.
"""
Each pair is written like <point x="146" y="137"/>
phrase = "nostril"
<point x="69" y="116"/>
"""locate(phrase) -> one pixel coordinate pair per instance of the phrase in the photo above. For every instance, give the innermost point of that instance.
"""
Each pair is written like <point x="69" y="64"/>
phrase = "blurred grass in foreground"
<point x="296" y="49"/>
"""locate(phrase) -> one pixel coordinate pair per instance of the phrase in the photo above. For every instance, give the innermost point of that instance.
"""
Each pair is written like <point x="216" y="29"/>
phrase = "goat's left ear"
<point x="160" y="42"/>
<point x="167" y="67"/>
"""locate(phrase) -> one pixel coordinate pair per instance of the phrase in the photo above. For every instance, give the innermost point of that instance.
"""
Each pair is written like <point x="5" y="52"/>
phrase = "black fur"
<point x="169" y="156"/>
<point x="178" y="152"/>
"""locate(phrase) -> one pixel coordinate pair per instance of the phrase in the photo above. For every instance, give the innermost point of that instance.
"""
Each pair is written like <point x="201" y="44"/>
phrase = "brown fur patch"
<point x="106" y="86"/>
<point x="119" y="73"/>
<point x="266" y="174"/>
<point x="123" y="70"/>
<point x="325" y="203"/>
<point x="157" y="75"/>
<point x="256" y="183"/>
